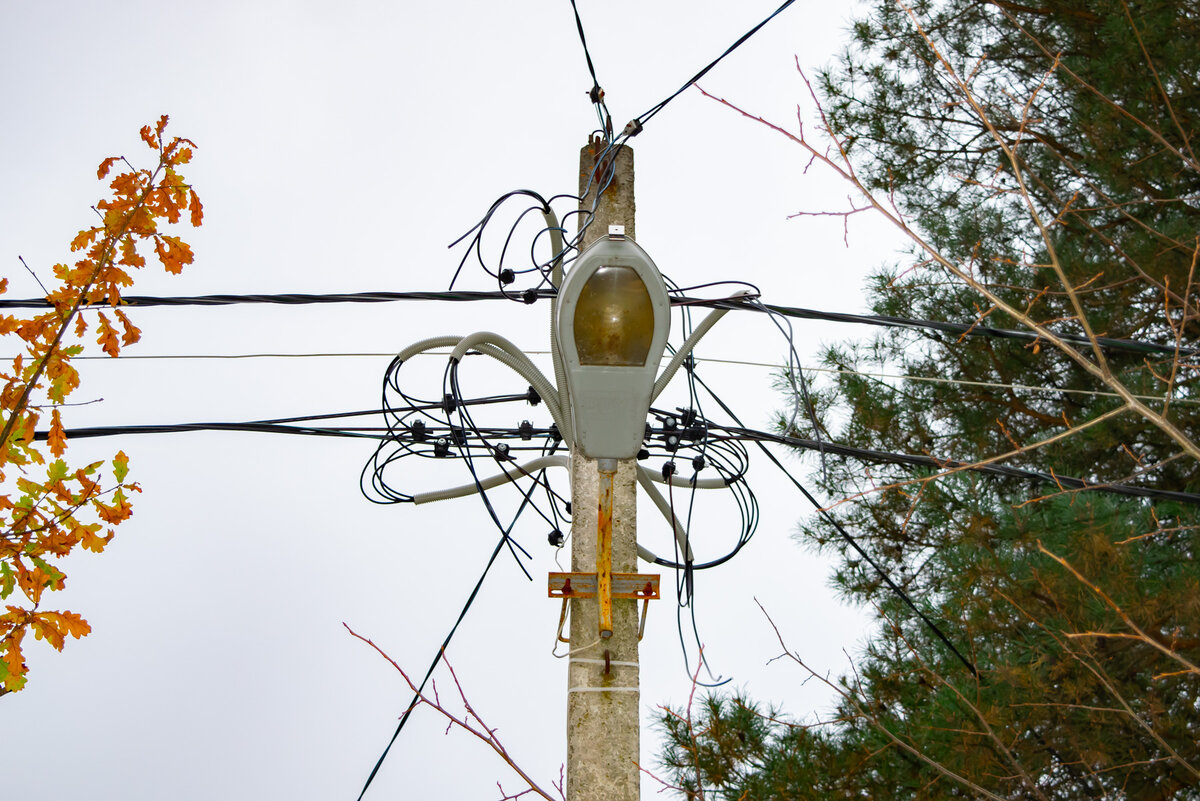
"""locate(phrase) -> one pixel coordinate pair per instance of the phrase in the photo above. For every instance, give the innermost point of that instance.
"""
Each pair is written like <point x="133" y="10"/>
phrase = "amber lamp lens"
<point x="614" y="319"/>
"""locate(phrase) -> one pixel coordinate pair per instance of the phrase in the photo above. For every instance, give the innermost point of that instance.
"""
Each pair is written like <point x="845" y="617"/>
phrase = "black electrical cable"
<point x="640" y="121"/>
<point x="850" y="540"/>
<point x="466" y="422"/>
<point x="596" y="93"/>
<point x="259" y="428"/>
<point x="290" y="298"/>
<point x="583" y="41"/>
<point x="961" y="329"/>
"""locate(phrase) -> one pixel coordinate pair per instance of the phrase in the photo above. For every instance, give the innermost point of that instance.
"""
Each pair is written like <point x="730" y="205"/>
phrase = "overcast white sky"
<point x="342" y="147"/>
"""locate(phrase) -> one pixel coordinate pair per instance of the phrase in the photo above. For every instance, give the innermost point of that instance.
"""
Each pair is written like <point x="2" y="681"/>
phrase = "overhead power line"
<point x="533" y="295"/>
<point x="920" y="460"/>
<point x="288" y="299"/>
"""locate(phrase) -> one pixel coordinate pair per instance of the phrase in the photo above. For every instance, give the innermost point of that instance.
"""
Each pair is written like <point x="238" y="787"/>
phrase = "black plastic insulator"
<point x="670" y="423"/>
<point x="507" y="276"/>
<point x="556" y="538"/>
<point x="643" y="454"/>
<point x="694" y="433"/>
<point x="441" y="447"/>
<point x="698" y="462"/>
<point x="529" y="296"/>
<point x="501" y="452"/>
<point x="671" y="442"/>
<point x="448" y="403"/>
<point x="686" y="416"/>
<point x="649" y="433"/>
<point x="567" y="507"/>
<point x="525" y="430"/>
<point x="458" y="436"/>
<point x="533" y="397"/>
<point x="417" y="431"/>
<point x="555" y="434"/>
<point x="668" y="470"/>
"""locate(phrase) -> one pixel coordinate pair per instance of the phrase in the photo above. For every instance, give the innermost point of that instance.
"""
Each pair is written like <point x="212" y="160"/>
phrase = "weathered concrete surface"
<point x="602" y="708"/>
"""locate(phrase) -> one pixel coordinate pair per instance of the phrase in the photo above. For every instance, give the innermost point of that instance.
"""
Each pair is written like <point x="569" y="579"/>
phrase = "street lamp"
<point x="613" y="318"/>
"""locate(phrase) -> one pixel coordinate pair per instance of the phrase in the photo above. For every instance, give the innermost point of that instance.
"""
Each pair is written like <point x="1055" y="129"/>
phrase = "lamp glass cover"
<point x="614" y="318"/>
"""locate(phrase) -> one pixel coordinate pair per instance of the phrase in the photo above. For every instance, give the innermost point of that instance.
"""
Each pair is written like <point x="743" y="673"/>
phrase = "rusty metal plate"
<point x="624" y="585"/>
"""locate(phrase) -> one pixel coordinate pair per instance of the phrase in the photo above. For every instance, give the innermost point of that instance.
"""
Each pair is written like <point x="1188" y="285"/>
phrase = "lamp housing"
<point x="612" y="322"/>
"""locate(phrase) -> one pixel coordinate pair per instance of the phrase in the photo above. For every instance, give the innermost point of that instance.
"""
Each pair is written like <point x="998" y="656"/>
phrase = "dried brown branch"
<point x="470" y="722"/>
<point x="1138" y="634"/>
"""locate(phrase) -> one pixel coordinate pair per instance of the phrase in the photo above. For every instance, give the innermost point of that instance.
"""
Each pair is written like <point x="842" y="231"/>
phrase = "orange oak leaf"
<point x="131" y="333"/>
<point x="196" y="207"/>
<point x="106" y="337"/>
<point x="105" y="166"/>
<point x="57" y="438"/>
<point x="173" y="252"/>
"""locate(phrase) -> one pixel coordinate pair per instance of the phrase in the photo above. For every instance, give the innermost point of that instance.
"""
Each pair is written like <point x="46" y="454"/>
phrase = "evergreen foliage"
<point x="1046" y="150"/>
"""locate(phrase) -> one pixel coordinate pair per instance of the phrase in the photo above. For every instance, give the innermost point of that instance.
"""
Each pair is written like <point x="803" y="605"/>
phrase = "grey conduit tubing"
<point x="647" y="555"/>
<point x="520" y="364"/>
<point x="681" y="537"/>
<point x="708" y="322"/>
<point x="500" y="349"/>
<point x="427" y="344"/>
<point x="493" y="481"/>
<point x="682" y="481"/>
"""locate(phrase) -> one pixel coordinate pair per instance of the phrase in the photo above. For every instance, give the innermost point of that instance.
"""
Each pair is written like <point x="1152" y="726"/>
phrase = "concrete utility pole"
<point x="603" y="697"/>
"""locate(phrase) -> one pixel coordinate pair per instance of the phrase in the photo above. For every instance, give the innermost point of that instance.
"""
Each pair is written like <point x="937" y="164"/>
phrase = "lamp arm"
<point x="492" y="481"/>
<point x="681" y="536"/>
<point x="669" y="372"/>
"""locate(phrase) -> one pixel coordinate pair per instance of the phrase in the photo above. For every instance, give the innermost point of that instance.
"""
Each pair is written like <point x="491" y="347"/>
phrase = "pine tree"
<point x="1042" y="155"/>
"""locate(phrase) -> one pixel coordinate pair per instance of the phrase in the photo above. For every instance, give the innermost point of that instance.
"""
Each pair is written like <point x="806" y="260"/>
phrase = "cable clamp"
<point x="632" y="128"/>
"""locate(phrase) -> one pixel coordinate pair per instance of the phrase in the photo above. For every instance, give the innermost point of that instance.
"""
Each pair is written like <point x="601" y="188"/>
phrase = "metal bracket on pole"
<point x="634" y="586"/>
<point x="638" y="586"/>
